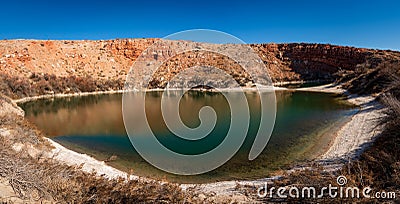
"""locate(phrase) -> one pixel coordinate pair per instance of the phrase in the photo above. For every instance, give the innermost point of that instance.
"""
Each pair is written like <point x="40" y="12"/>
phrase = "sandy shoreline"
<point x="34" y="98"/>
<point x="63" y="95"/>
<point x="89" y="164"/>
<point x="361" y="129"/>
<point x="349" y="142"/>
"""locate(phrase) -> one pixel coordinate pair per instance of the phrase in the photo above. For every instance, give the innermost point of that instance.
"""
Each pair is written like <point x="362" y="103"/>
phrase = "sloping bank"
<point x="34" y="169"/>
<point x="348" y="142"/>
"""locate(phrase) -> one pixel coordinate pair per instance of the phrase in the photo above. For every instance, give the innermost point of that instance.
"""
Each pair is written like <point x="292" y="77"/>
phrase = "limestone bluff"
<point x="37" y="67"/>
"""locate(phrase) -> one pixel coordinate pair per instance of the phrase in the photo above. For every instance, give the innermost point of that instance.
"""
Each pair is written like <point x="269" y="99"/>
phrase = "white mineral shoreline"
<point x="89" y="164"/>
<point x="349" y="142"/>
<point x="63" y="95"/>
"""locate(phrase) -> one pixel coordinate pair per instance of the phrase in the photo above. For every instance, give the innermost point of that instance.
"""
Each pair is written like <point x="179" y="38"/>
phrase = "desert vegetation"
<point x="103" y="67"/>
<point x="43" y="84"/>
<point x="34" y="177"/>
<point x="378" y="166"/>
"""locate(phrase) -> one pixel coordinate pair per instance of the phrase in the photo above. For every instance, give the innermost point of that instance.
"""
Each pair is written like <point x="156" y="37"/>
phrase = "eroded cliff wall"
<point x="32" y="67"/>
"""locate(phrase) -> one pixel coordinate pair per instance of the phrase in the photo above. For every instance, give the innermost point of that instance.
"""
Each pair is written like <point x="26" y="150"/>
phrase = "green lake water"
<point x="93" y="125"/>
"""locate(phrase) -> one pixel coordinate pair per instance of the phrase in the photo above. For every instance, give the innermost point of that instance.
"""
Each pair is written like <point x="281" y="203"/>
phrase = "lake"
<point x="304" y="127"/>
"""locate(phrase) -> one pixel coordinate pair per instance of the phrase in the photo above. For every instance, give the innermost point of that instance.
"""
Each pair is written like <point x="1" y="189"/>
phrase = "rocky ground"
<point x="35" y="68"/>
<point x="32" y="170"/>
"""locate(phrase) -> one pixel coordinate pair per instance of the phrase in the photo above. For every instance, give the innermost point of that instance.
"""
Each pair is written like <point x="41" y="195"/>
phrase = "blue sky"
<point x="372" y="24"/>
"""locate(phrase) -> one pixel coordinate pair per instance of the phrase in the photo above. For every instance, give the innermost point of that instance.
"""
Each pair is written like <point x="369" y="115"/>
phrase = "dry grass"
<point x="42" y="84"/>
<point x="378" y="166"/>
<point x="35" y="177"/>
<point x="38" y="178"/>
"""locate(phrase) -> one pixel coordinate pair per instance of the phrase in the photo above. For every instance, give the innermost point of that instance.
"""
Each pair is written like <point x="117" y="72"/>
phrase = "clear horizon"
<point x="366" y="24"/>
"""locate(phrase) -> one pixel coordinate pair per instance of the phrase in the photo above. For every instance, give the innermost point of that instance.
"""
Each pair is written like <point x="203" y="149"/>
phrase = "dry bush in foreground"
<point x="44" y="179"/>
<point x="42" y="84"/>
<point x="34" y="176"/>
<point x="378" y="166"/>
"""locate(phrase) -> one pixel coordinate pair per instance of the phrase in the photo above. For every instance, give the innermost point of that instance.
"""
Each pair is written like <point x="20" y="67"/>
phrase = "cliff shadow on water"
<point x="93" y="125"/>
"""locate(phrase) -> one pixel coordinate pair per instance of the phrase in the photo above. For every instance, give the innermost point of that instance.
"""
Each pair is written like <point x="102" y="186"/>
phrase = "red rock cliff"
<point x="52" y="66"/>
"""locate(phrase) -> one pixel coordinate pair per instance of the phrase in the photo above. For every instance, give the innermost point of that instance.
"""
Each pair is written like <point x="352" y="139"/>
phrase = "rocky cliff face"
<point x="31" y="67"/>
<point x="109" y="59"/>
<point x="310" y="61"/>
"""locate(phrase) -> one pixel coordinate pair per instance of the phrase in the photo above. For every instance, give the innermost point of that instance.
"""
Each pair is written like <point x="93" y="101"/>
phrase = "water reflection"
<point x="93" y="125"/>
